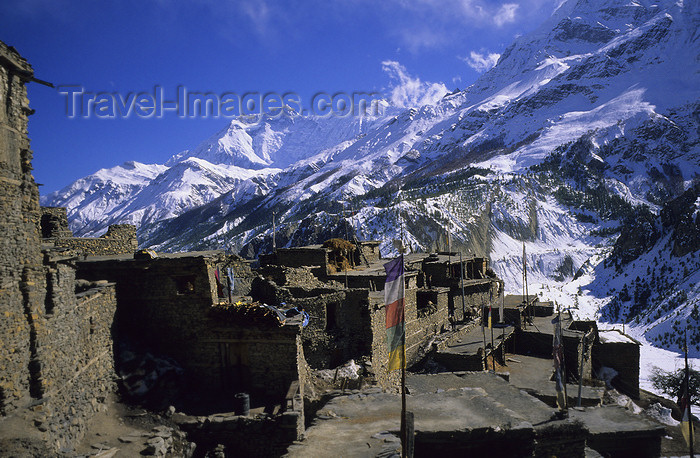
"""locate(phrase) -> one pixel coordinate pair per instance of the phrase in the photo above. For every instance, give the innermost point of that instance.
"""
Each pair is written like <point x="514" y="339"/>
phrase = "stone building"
<point x="56" y="359"/>
<point x="619" y="352"/>
<point x="169" y="305"/>
<point x="345" y="301"/>
<point x="119" y="238"/>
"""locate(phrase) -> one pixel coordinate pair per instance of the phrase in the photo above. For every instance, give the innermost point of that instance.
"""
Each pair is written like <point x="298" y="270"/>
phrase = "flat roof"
<point x="366" y="423"/>
<point x="180" y="255"/>
<point x="514" y="300"/>
<point x="615" y="336"/>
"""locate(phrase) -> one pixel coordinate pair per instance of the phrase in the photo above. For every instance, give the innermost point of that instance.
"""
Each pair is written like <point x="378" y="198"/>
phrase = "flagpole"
<point x="503" y="325"/>
<point x="524" y="287"/>
<point x="483" y="332"/>
<point x="527" y="293"/>
<point x="449" y="254"/>
<point x="404" y="436"/>
<point x="563" y="360"/>
<point x="274" y="232"/>
<point x="691" y="433"/>
<point x="493" y="355"/>
<point x="461" y="273"/>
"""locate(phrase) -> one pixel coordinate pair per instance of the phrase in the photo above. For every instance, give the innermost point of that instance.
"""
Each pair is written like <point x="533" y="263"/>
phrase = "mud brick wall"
<point x="74" y="349"/>
<point x="21" y="274"/>
<point x="54" y="222"/>
<point x="119" y="239"/>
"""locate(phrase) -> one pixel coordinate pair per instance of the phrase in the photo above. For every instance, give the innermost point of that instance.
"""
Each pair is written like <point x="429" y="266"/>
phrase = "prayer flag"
<point x="394" y="300"/>
<point x="686" y="423"/>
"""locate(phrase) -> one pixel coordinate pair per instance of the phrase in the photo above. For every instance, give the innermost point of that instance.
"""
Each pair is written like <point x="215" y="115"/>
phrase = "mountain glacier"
<point x="585" y="128"/>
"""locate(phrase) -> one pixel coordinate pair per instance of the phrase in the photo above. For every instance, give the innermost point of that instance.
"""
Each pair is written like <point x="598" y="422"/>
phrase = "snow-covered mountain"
<point x="243" y="158"/>
<point x="585" y="127"/>
<point x="278" y="142"/>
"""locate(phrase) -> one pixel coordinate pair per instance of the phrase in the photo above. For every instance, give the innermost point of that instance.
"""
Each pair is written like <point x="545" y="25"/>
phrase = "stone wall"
<point x="242" y="275"/>
<point x="538" y="343"/>
<point x="168" y="305"/>
<point x="54" y="222"/>
<point x="260" y="436"/>
<point x="380" y="353"/>
<point x="21" y="273"/>
<point x="419" y="329"/>
<point x="368" y="252"/>
<point x="339" y="327"/>
<point x="55" y="352"/>
<point x="119" y="239"/>
<point x="74" y="350"/>
<point x="163" y="302"/>
<point x="298" y="257"/>
<point x="21" y="278"/>
<point x="624" y="358"/>
<point x="239" y="356"/>
<point x="477" y="294"/>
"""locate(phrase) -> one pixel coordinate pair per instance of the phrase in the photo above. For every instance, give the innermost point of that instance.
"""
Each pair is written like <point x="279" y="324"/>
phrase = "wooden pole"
<point x="563" y="359"/>
<point x="404" y="435"/>
<point x="449" y="254"/>
<point x="493" y="353"/>
<point x="580" y="372"/>
<point x="274" y="239"/>
<point x="493" y="349"/>
<point x="503" y="324"/>
<point x="691" y="433"/>
<point x="461" y="270"/>
<point x="527" y="293"/>
<point x="483" y="331"/>
<point x="524" y="292"/>
<point x="410" y="430"/>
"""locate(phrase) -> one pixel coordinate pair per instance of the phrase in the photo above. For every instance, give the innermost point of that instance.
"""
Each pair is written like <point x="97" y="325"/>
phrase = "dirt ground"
<point x="122" y="431"/>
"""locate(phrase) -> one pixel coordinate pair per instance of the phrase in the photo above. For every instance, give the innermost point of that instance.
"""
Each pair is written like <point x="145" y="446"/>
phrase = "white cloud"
<point x="408" y="91"/>
<point x="506" y="14"/>
<point x="481" y="62"/>
<point x="258" y="12"/>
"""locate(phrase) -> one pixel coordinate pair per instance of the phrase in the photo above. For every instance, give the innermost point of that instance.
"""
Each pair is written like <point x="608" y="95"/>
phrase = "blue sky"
<point x="403" y="48"/>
